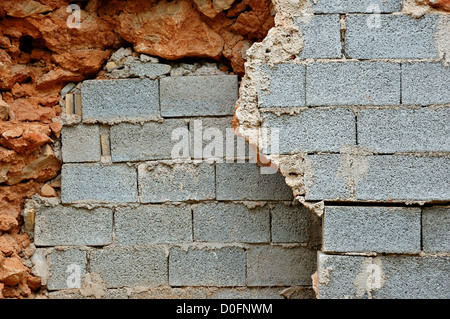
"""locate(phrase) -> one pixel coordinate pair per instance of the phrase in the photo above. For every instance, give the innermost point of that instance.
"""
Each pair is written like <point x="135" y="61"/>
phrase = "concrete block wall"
<point x="366" y="104"/>
<point x="140" y="223"/>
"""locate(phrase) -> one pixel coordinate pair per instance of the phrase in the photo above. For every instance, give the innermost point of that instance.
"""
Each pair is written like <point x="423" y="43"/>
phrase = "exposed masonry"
<point x="134" y="222"/>
<point x="359" y="103"/>
<point x="362" y="114"/>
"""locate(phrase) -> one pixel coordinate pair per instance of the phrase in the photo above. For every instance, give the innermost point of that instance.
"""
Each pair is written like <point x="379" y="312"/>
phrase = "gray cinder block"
<point x="65" y="225"/>
<point x="81" y="143"/>
<point x="371" y="229"/>
<point x="436" y="229"/>
<point x="198" y="95"/>
<point x="229" y="222"/>
<point x="98" y="183"/>
<point x="219" y="267"/>
<point x="66" y="268"/>
<point x="120" y="100"/>
<point x="352" y="6"/>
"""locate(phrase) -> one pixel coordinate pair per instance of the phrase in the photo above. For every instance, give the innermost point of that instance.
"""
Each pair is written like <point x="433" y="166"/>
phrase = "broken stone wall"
<point x="357" y="94"/>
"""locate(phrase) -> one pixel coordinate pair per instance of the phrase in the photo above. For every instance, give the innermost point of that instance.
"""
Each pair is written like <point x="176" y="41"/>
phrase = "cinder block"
<point x="312" y="130"/>
<point x="243" y="181"/>
<point x="228" y="222"/>
<point x="198" y="95"/>
<point x="405" y="178"/>
<point x="287" y="86"/>
<point x="120" y="100"/>
<point x="149" y="70"/>
<point x="322" y="36"/>
<point x="98" y="183"/>
<point x="352" y="6"/>
<point x="326" y="180"/>
<point x="397" y="37"/>
<point x="279" y="266"/>
<point x="65" y="225"/>
<point x="160" y="182"/>
<point x="81" y="143"/>
<point x="290" y="224"/>
<point x="150" y="141"/>
<point x="353" y="83"/>
<point x="66" y="268"/>
<point x="371" y="229"/>
<point x="220" y="267"/>
<point x="130" y="266"/>
<point x="404" y="130"/>
<point x="436" y="229"/>
<point x="385" y="277"/>
<point x="425" y="83"/>
<point x="150" y="224"/>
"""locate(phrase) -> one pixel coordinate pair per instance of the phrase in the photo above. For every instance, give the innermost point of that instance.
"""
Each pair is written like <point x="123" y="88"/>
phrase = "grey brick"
<point x="405" y="130"/>
<point x="322" y="36"/>
<point x="436" y="229"/>
<point x="120" y="100"/>
<point x="248" y="293"/>
<point x="198" y="95"/>
<point x="228" y="222"/>
<point x="207" y="133"/>
<point x="81" y="143"/>
<point x="312" y="130"/>
<point x="149" y="224"/>
<point x="62" y="225"/>
<point x="425" y="83"/>
<point x="159" y="182"/>
<point x="243" y="181"/>
<point x="290" y="224"/>
<point x="287" y="86"/>
<point x="371" y="229"/>
<point x="97" y="183"/>
<point x="66" y="267"/>
<point x="149" y="70"/>
<point x="405" y="178"/>
<point x="279" y="266"/>
<point x="326" y="181"/>
<point x="353" y="83"/>
<point x="399" y="37"/>
<point x="348" y="6"/>
<point x="150" y="141"/>
<point x="219" y="267"/>
<point x="130" y="266"/>
<point x="386" y="277"/>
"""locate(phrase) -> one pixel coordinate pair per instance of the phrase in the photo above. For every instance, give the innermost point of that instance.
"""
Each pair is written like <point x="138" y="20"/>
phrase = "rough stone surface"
<point x="151" y="224"/>
<point x="405" y="178"/>
<point x="372" y="229"/>
<point x="150" y="141"/>
<point x="351" y="6"/>
<point x="383" y="277"/>
<point x="120" y="100"/>
<point x="353" y="83"/>
<point x="279" y="266"/>
<point x="61" y="225"/>
<point x="404" y="130"/>
<point x="160" y="183"/>
<point x="129" y="266"/>
<point x="399" y="37"/>
<point x="228" y="222"/>
<point x="322" y="36"/>
<point x="220" y="267"/>
<point x="312" y="130"/>
<point x="436" y="229"/>
<point x="425" y="83"/>
<point x="149" y="70"/>
<point x="198" y="96"/>
<point x="97" y="183"/>
<point x="81" y="143"/>
<point x="286" y="86"/>
<point x="243" y="181"/>
<point x="63" y="264"/>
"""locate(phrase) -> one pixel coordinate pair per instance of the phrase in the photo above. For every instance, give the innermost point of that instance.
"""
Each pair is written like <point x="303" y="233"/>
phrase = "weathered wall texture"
<point x="357" y="94"/>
